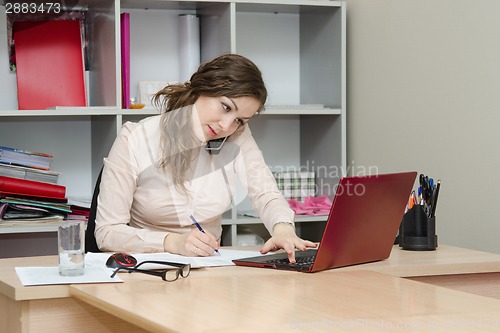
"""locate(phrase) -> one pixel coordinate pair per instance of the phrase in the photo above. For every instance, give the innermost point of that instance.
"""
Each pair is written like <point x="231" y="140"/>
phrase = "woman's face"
<point x="221" y="116"/>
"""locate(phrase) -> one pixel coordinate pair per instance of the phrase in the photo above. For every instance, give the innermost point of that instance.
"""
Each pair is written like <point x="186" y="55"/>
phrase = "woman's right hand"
<point x="192" y="244"/>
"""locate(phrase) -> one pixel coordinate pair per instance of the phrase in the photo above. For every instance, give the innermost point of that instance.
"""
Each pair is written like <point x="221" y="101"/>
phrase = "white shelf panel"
<point x="108" y="111"/>
<point x="30" y="228"/>
<point x="149" y="111"/>
<point x="52" y="227"/>
<point x="286" y="6"/>
<point x="300" y="111"/>
<point x="62" y="111"/>
<point x="139" y="112"/>
<point x="289" y="6"/>
<point x="78" y="111"/>
<point x="269" y="110"/>
<point x="241" y="220"/>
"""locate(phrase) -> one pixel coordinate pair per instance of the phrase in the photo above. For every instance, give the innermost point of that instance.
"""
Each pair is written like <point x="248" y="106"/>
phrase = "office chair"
<point x="90" y="241"/>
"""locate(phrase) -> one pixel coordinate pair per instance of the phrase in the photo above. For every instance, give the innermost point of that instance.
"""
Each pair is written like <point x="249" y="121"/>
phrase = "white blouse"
<point x="138" y="205"/>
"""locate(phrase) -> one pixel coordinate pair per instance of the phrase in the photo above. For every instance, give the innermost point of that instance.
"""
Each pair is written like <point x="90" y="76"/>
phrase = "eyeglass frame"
<point x="162" y="273"/>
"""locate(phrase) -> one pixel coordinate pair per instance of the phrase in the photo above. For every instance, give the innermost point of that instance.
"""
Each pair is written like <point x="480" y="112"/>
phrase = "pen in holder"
<point x="418" y="231"/>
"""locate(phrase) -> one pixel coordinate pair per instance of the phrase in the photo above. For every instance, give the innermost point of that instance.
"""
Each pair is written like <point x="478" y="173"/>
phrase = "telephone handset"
<point x="214" y="146"/>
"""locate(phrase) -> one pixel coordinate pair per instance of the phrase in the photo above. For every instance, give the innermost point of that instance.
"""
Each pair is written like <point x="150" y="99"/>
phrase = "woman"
<point x="166" y="170"/>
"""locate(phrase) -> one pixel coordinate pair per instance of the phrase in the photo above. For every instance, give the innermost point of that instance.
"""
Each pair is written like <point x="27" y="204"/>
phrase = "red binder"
<point x="125" y="49"/>
<point x="31" y="188"/>
<point x="49" y="64"/>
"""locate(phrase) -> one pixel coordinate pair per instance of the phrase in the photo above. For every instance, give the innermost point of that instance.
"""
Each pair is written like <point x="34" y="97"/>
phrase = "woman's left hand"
<point x="284" y="237"/>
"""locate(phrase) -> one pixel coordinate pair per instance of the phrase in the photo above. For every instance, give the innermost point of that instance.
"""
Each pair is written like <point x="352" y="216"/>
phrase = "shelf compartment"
<point x="158" y="21"/>
<point x="302" y="62"/>
<point x="61" y="111"/>
<point x="102" y="76"/>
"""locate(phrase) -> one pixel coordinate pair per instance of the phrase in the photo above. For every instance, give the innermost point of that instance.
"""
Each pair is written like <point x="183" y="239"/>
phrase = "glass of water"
<point x="71" y="248"/>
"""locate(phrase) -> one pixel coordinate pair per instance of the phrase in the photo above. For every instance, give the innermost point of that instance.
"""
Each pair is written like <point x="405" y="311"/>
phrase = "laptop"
<point x="362" y="225"/>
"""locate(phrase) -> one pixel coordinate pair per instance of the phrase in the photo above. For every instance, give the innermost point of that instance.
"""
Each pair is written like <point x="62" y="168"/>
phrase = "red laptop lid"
<point x="364" y="219"/>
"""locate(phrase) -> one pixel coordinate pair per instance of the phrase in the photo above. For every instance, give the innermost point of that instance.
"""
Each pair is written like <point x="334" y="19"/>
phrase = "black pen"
<point x="435" y="198"/>
<point x="199" y="227"/>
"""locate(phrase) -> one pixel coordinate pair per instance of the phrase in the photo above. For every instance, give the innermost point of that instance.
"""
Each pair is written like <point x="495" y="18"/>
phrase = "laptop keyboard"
<point x="300" y="261"/>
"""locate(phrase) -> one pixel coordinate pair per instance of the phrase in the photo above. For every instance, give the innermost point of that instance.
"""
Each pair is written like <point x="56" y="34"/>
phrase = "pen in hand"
<point x="199" y="227"/>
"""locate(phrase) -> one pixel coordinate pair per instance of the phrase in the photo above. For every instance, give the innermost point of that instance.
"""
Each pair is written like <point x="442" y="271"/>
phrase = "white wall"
<point x="424" y="95"/>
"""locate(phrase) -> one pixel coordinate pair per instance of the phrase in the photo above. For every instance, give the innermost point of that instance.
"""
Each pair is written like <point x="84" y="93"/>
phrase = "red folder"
<point x="49" y="64"/>
<point x="31" y="188"/>
<point x="125" y="50"/>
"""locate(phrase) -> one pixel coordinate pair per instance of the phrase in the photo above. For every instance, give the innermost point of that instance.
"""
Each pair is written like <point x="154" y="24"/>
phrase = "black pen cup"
<point x="417" y="231"/>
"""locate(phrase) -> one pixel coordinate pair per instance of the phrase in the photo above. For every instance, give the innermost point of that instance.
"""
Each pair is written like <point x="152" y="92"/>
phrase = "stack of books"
<point x="16" y="171"/>
<point x="24" y="158"/>
<point x="28" y="188"/>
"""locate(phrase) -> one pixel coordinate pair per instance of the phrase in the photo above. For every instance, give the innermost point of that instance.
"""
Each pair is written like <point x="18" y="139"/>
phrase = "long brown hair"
<point x="229" y="75"/>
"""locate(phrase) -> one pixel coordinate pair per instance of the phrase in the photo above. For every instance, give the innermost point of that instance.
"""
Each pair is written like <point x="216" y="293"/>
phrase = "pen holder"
<point x="417" y="231"/>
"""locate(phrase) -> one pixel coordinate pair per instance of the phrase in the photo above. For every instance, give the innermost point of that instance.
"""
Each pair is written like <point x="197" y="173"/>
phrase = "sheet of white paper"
<point x="97" y="272"/>
<point x="224" y="259"/>
<point x="33" y="276"/>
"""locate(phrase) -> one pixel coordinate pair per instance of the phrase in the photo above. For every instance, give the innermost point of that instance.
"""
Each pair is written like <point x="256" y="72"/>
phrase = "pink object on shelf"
<point x="311" y="206"/>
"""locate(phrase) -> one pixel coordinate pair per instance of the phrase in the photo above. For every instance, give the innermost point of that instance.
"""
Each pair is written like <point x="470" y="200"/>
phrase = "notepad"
<point x="224" y="259"/>
<point x="35" y="276"/>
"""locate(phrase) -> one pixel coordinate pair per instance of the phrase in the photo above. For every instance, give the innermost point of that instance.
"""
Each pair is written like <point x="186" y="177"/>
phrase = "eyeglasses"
<point x="169" y="274"/>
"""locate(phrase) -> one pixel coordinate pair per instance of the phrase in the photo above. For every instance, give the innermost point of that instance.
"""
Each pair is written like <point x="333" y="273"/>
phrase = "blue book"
<point x="25" y="158"/>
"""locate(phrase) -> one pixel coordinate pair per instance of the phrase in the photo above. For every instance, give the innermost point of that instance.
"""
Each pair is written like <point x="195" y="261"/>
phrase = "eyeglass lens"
<point x="173" y="274"/>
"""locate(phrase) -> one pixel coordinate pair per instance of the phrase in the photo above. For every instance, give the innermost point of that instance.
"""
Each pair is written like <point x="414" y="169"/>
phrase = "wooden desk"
<point x="373" y="297"/>
<point x="330" y="301"/>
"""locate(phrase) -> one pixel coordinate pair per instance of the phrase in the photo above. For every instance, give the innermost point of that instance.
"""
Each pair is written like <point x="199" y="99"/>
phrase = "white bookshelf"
<point x="299" y="45"/>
